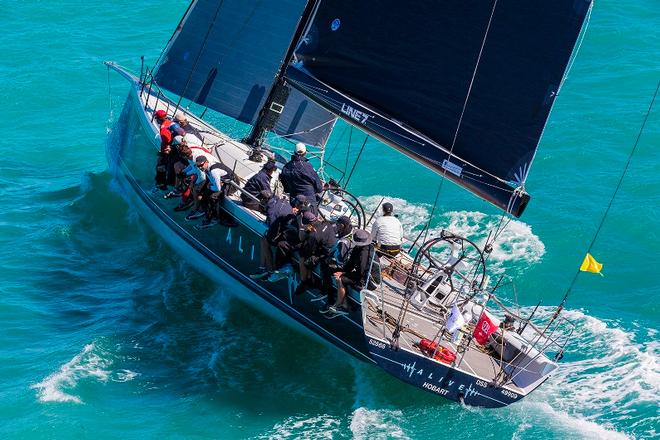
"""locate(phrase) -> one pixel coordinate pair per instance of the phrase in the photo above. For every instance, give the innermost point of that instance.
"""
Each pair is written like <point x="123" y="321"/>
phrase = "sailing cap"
<point x="180" y="117"/>
<point x="177" y="140"/>
<point x="301" y="148"/>
<point x="299" y="200"/>
<point x="343" y="220"/>
<point x="361" y="237"/>
<point x="308" y="217"/>
<point x="344" y="226"/>
<point x="388" y="208"/>
<point x="201" y="160"/>
<point x="161" y="114"/>
<point x="270" y="166"/>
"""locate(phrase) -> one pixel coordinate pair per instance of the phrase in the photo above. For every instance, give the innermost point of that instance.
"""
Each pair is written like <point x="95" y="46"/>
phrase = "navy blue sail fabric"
<point x="413" y="65"/>
<point x="305" y="121"/>
<point x="226" y="55"/>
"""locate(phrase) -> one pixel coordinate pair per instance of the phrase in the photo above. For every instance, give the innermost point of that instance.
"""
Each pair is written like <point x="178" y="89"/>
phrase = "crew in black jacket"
<point x="299" y="176"/>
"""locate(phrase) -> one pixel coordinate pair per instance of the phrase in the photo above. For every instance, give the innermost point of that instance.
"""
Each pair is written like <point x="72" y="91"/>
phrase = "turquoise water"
<point x="106" y="333"/>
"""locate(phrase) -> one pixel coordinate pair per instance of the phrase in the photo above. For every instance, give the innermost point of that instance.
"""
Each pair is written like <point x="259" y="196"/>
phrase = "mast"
<point x="279" y="92"/>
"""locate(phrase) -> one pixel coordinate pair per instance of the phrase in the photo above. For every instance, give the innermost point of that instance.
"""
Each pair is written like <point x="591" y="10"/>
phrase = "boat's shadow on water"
<point x="202" y="344"/>
<point x="174" y="335"/>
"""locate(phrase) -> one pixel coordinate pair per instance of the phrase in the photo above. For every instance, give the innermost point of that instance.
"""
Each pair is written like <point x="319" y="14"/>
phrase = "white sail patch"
<point x="452" y="167"/>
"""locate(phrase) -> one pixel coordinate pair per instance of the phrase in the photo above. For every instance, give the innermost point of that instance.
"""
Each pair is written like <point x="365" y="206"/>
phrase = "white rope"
<point x="284" y="136"/>
<point x="474" y="74"/>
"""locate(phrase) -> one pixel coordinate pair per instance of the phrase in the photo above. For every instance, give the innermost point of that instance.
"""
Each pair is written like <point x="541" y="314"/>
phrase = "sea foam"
<point x="90" y="363"/>
<point x="516" y="241"/>
<point x="605" y="384"/>
<point x="84" y="365"/>
<point x="315" y="427"/>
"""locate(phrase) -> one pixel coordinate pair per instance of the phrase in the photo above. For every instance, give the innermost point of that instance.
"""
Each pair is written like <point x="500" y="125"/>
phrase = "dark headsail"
<point x="225" y="55"/>
<point x="463" y="86"/>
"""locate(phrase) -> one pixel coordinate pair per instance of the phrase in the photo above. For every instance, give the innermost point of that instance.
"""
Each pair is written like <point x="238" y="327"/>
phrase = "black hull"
<point x="439" y="379"/>
<point x="228" y="255"/>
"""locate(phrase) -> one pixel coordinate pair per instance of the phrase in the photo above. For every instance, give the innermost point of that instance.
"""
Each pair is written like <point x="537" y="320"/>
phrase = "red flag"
<point x="483" y="329"/>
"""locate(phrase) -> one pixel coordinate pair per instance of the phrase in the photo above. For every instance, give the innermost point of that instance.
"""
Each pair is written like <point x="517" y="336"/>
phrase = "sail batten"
<point x="475" y="78"/>
<point x="225" y="56"/>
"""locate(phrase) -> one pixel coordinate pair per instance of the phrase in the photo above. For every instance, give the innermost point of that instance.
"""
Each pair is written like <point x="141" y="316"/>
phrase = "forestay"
<point x="225" y="55"/>
<point x="462" y="86"/>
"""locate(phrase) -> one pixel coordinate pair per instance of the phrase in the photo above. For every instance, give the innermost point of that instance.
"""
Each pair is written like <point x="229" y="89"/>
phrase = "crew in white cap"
<point x="298" y="176"/>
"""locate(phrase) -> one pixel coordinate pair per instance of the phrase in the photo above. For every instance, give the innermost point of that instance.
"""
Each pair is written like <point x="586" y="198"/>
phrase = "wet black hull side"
<point x="438" y="378"/>
<point x="226" y="255"/>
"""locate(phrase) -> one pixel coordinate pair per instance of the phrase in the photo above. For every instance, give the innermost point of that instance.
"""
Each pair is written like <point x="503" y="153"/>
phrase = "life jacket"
<point x="342" y="249"/>
<point x="165" y="134"/>
<point x="229" y="175"/>
<point x="442" y="354"/>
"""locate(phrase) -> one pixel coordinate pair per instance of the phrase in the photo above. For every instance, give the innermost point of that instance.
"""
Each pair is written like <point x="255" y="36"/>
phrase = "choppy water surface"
<point x="104" y="332"/>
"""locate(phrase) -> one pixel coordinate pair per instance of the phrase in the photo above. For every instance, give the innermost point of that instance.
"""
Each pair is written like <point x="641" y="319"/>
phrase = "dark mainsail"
<point x="225" y="55"/>
<point x="463" y="86"/>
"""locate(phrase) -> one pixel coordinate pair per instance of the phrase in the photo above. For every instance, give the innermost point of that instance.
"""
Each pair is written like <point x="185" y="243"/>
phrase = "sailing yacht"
<point x="464" y="88"/>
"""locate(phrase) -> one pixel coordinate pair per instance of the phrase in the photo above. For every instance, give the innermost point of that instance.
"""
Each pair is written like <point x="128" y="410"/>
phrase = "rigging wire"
<point x="309" y="130"/>
<point x="523" y="177"/>
<point x="474" y="74"/>
<point x="176" y="30"/>
<point x="460" y="120"/>
<point x="199" y="54"/>
<point x="453" y="143"/>
<point x="435" y="204"/>
<point x="348" y="152"/>
<point x="341" y="138"/>
<point x="577" y="50"/>
<point x="618" y="186"/>
<point x="109" y="94"/>
<point x="356" y="161"/>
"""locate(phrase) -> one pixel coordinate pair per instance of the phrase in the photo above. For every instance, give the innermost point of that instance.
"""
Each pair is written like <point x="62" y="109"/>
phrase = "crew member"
<point x="167" y="156"/>
<point x="213" y="193"/>
<point x="281" y="221"/>
<point x="317" y="241"/>
<point x="361" y="271"/>
<point x="256" y="184"/>
<point x="181" y="119"/>
<point x="338" y="257"/>
<point x="387" y="232"/>
<point x="298" y="176"/>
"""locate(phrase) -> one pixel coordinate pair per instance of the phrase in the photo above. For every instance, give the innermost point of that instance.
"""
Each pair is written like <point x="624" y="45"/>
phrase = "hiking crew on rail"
<point x="344" y="257"/>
